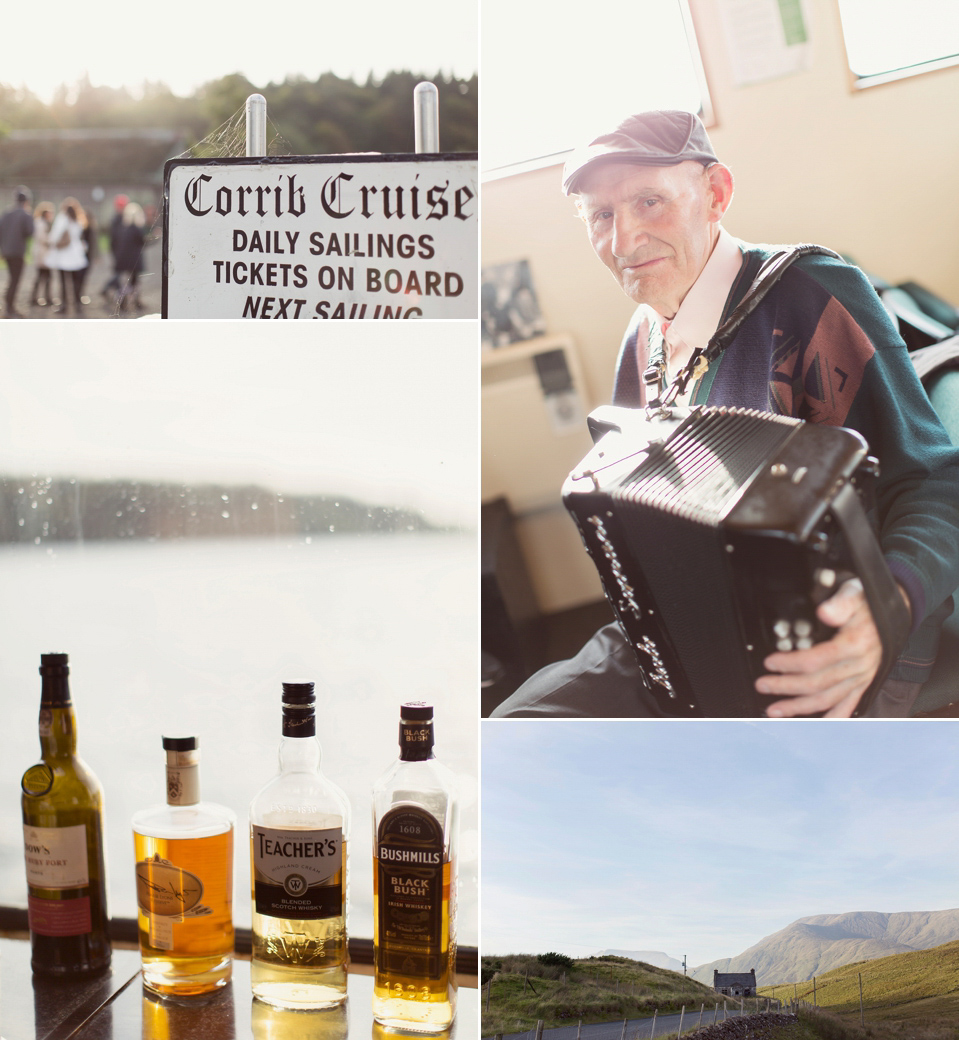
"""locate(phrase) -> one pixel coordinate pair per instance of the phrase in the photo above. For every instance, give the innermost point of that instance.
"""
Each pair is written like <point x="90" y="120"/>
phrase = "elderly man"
<point x="16" y="228"/>
<point x="819" y="347"/>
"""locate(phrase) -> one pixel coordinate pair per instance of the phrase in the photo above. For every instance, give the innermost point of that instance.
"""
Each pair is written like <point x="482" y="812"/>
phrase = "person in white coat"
<point x="68" y="253"/>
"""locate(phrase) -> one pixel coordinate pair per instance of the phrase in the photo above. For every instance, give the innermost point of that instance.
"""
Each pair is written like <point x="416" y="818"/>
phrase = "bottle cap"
<point x="54" y="664"/>
<point x="416" y="710"/>
<point x="299" y="692"/>
<point x="181" y="743"/>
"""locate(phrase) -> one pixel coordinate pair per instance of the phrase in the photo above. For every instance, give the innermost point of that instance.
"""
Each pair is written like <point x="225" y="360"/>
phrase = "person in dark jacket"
<point x="16" y="229"/>
<point x="128" y="254"/>
<point x="119" y="205"/>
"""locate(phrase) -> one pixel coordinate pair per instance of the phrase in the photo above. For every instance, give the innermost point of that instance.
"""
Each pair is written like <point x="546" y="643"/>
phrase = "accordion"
<point x="716" y="533"/>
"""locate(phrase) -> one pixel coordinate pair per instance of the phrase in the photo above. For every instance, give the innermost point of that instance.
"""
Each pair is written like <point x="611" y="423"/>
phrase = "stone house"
<point x="736" y="983"/>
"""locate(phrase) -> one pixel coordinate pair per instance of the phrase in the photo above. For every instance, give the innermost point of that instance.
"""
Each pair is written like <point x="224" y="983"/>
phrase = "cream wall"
<point x="869" y="173"/>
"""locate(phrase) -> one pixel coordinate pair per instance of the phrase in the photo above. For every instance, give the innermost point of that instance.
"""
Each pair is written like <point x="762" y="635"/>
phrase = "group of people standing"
<point x="66" y="241"/>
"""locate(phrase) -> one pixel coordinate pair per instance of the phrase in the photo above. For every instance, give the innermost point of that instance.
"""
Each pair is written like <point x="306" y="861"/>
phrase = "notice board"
<point x="322" y="237"/>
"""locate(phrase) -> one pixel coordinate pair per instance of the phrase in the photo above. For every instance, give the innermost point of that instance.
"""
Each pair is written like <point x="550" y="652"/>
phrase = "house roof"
<point x="734" y="978"/>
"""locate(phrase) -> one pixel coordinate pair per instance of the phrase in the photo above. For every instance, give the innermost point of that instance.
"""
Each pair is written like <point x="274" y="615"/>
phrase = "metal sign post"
<point x="256" y="125"/>
<point x="426" y="118"/>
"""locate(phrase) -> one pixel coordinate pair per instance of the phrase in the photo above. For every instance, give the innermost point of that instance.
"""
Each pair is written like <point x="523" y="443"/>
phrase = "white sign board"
<point x="331" y="236"/>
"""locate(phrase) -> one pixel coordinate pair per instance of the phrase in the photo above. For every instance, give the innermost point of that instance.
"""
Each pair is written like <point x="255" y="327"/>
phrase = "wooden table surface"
<point x="115" y="1006"/>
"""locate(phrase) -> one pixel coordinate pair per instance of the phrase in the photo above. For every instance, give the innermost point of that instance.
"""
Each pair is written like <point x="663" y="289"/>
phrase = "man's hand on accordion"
<point x="831" y="676"/>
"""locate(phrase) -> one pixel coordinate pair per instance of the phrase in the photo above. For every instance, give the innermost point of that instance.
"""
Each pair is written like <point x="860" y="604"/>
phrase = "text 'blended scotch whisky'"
<point x="414" y="883"/>
<point x="184" y="876"/>
<point x="299" y="830"/>
<point x="62" y="806"/>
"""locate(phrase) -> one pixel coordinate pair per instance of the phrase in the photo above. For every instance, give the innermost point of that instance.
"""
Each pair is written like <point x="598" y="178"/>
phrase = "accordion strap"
<point x="770" y="273"/>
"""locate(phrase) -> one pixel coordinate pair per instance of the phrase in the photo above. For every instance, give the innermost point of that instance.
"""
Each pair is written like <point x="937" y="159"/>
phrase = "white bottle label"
<point x="297" y="874"/>
<point x="56" y="857"/>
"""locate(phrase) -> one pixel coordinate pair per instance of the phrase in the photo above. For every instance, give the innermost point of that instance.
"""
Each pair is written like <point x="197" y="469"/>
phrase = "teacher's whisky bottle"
<point x="299" y="832"/>
<point x="62" y="806"/>
<point x="414" y="883"/>
<point x="184" y="877"/>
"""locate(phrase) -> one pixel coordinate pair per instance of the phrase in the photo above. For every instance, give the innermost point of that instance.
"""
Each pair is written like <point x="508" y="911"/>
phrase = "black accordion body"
<point x="716" y="533"/>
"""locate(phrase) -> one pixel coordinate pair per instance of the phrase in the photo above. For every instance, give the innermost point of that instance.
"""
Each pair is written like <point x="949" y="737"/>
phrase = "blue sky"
<point x="700" y="838"/>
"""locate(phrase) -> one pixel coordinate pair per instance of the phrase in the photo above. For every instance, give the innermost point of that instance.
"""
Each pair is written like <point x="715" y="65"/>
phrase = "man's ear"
<point x="721" y="190"/>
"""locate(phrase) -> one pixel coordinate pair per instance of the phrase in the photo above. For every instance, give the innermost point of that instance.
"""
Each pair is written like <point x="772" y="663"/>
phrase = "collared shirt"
<point x="702" y="307"/>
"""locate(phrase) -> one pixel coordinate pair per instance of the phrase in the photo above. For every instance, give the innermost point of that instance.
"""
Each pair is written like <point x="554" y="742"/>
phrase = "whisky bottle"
<point x="414" y="883"/>
<point x="184" y="878"/>
<point x="299" y="830"/>
<point x="62" y="805"/>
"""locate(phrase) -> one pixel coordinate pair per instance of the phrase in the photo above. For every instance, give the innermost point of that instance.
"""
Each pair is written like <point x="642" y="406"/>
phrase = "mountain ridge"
<point x="812" y="945"/>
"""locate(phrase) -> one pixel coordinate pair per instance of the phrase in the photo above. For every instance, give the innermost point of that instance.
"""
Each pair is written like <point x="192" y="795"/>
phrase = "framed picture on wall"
<point x="510" y="309"/>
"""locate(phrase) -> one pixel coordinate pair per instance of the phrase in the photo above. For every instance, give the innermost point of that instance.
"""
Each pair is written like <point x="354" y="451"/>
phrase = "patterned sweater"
<point x="821" y="347"/>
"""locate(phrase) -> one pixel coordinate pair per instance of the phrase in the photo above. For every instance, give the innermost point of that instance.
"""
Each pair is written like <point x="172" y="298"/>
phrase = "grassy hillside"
<point x="922" y="986"/>
<point x="597" y="989"/>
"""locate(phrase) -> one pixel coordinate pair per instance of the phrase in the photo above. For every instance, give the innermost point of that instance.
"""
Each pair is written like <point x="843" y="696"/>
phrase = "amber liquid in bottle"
<point x="184" y="878"/>
<point x="414" y="884"/>
<point x="62" y="806"/>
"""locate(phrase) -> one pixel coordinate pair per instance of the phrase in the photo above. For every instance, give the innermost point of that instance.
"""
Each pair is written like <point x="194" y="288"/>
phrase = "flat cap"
<point x="658" y="138"/>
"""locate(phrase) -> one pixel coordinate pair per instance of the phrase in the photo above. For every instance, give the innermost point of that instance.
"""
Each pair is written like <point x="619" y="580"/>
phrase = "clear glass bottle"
<point x="62" y="806"/>
<point x="299" y="834"/>
<point x="184" y="876"/>
<point x="414" y="883"/>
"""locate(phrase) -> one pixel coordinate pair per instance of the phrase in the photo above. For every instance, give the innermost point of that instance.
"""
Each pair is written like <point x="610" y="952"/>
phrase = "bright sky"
<point x="388" y="415"/>
<point x="183" y="43"/>
<point x="701" y="838"/>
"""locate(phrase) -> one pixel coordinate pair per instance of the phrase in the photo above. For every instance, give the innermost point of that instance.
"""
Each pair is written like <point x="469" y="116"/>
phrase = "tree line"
<point x="314" y="117"/>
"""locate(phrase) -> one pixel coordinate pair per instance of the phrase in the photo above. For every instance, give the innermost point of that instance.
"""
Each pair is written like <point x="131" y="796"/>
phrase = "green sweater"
<point x="821" y="347"/>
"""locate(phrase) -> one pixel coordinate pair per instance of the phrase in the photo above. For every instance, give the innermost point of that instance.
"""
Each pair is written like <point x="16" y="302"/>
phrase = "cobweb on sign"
<point x="227" y="141"/>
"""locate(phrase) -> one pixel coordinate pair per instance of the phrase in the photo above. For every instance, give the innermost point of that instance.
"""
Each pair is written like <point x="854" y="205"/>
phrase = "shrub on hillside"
<point x="559" y="960"/>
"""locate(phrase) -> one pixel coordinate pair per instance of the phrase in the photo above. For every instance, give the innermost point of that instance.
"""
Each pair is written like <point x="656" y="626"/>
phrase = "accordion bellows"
<point x="716" y="533"/>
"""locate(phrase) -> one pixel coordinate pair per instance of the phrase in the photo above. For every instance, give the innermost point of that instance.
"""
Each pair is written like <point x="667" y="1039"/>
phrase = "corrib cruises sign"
<point x="327" y="236"/>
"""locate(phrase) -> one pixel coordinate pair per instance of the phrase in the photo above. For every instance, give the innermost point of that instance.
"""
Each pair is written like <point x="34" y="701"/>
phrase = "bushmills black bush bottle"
<point x="62" y="804"/>
<point x="414" y="883"/>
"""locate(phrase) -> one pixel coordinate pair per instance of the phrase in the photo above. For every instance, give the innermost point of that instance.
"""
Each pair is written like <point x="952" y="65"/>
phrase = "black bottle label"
<point x="297" y="875"/>
<point x="410" y="893"/>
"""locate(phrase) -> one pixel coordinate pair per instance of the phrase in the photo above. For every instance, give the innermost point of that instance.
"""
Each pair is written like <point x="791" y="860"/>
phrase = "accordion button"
<point x="784" y="644"/>
<point x="802" y="627"/>
<point x="781" y="628"/>
<point x="826" y="577"/>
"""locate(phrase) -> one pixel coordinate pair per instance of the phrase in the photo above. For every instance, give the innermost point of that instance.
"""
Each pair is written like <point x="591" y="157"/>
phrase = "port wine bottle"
<point x="62" y="805"/>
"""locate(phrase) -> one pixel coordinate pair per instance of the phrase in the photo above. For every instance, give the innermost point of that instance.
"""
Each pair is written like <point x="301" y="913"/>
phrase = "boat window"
<point x="195" y="518"/>
<point x="559" y="77"/>
<point x="890" y="39"/>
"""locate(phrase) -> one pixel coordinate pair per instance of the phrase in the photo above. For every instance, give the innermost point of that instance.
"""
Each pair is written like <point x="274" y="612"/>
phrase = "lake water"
<point x="195" y="637"/>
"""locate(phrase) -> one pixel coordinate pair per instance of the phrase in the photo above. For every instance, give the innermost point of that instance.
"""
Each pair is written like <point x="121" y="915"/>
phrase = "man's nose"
<point x="628" y="235"/>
